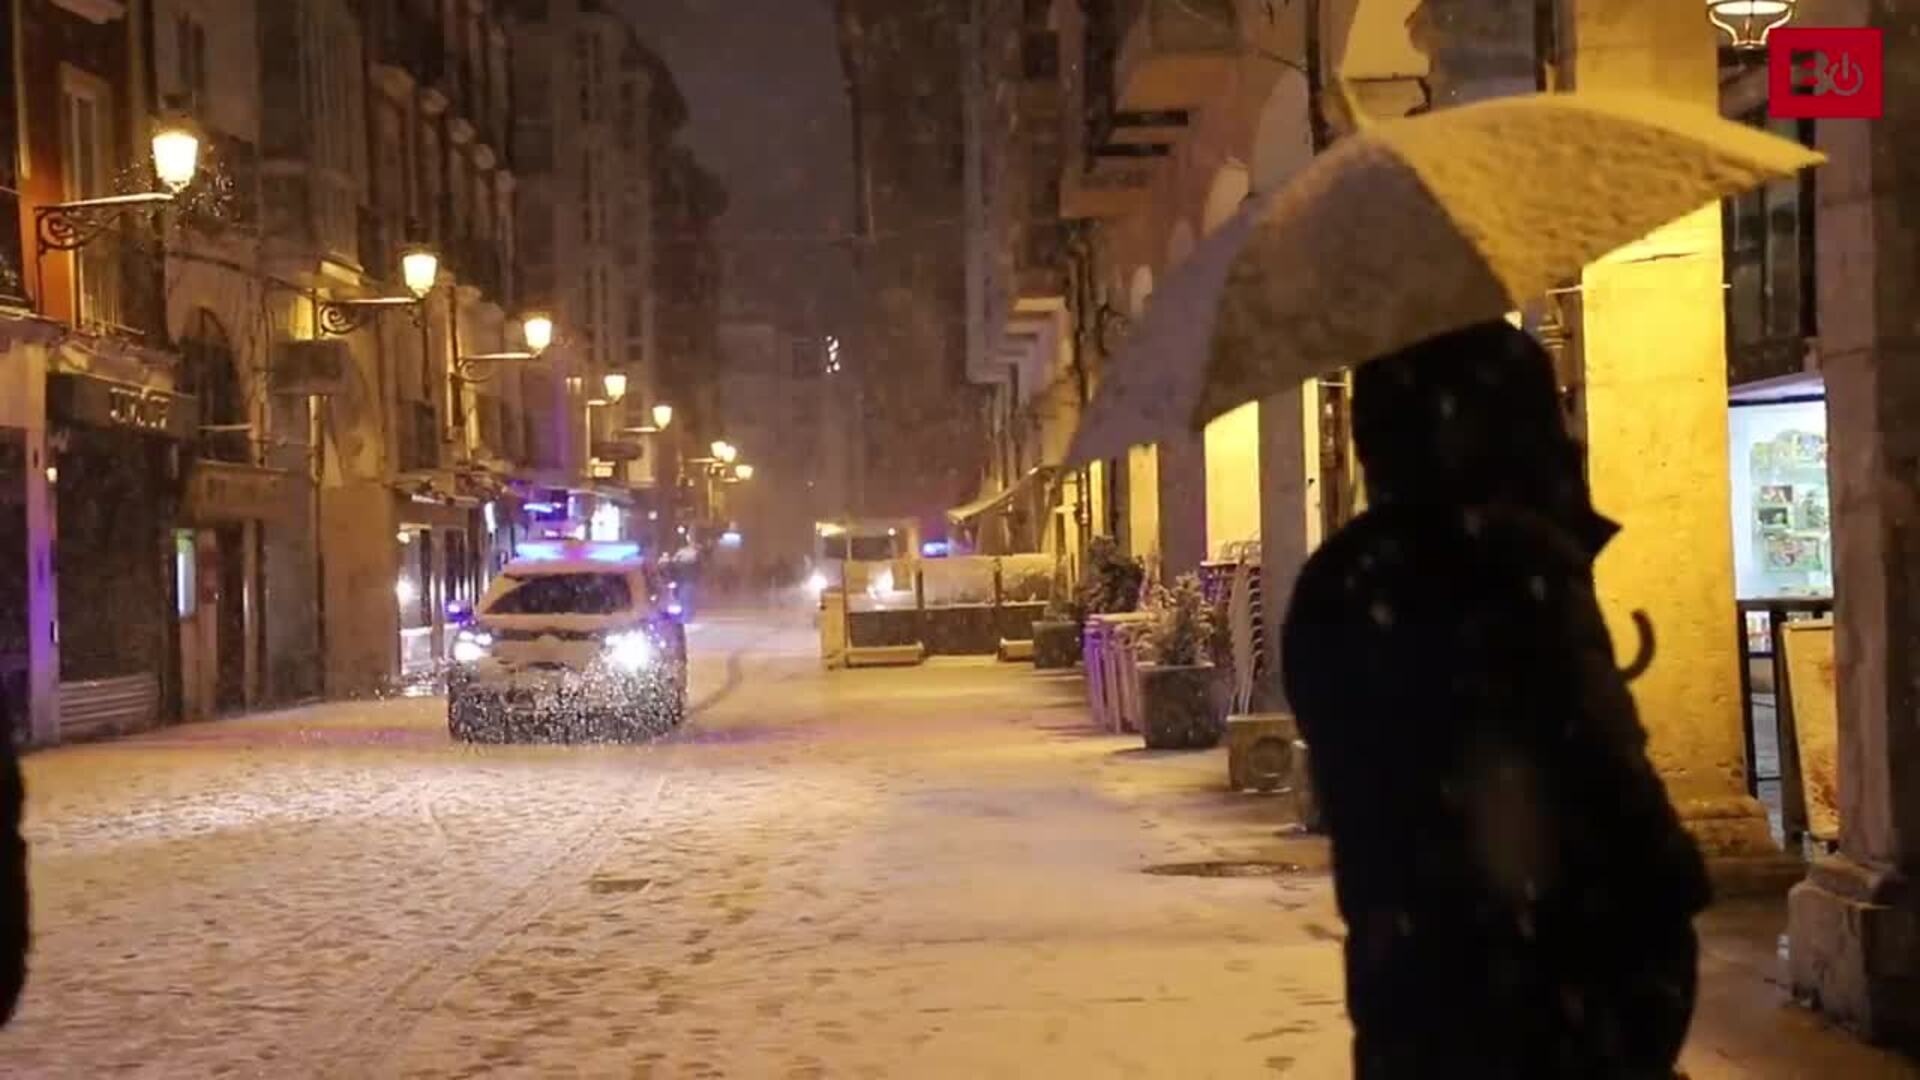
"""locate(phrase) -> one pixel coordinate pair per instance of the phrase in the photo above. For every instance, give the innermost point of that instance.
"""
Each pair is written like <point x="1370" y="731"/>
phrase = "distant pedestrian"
<point x="13" y="868"/>
<point x="1518" y="889"/>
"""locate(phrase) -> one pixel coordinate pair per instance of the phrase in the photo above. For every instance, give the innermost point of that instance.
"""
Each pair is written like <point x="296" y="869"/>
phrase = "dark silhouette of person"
<point x="1517" y="887"/>
<point x="13" y="868"/>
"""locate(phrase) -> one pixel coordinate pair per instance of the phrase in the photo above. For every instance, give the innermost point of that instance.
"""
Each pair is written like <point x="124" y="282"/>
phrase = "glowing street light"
<point x="419" y="269"/>
<point x="615" y="384"/>
<point x="743" y="471"/>
<point x="538" y="329"/>
<point x="725" y="451"/>
<point x="176" y="152"/>
<point x="662" y="416"/>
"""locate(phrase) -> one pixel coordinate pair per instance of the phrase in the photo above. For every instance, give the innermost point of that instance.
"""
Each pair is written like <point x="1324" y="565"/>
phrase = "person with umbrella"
<point x="1517" y="887"/>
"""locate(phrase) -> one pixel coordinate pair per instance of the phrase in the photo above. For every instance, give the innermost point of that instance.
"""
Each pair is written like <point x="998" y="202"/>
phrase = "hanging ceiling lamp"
<point x="1748" y="22"/>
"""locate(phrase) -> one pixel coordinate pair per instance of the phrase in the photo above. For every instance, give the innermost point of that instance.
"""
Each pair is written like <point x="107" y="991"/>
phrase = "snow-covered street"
<point x="835" y="874"/>
<point x="929" y="872"/>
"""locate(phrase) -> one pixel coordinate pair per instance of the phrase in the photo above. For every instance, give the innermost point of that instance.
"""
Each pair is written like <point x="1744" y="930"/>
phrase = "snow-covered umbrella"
<point x="1410" y="229"/>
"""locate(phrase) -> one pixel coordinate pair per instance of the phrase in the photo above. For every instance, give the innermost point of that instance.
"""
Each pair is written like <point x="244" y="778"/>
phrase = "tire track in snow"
<point x="359" y="1042"/>
<point x="736" y="675"/>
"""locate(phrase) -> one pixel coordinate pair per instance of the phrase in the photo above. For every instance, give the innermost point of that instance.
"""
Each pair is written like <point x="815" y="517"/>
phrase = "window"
<point x="86" y="146"/>
<point x="586" y="50"/>
<point x="1769" y="255"/>
<point x="592" y="300"/>
<point x="186" y="585"/>
<point x="565" y="594"/>
<point x="589" y="230"/>
<point x="190" y="58"/>
<point x="629" y="115"/>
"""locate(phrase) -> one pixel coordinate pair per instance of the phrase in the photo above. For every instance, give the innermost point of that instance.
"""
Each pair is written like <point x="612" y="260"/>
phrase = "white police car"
<point x="573" y="642"/>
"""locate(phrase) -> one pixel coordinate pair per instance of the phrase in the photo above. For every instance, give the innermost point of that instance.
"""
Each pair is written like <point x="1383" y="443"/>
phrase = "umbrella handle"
<point x="1643" y="655"/>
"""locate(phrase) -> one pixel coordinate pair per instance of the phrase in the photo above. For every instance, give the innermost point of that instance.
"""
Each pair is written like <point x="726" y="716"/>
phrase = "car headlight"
<point x="630" y="651"/>
<point x="472" y="646"/>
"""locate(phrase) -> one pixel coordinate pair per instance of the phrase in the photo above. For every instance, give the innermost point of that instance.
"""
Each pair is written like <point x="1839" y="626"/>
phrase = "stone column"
<point x="1183" y="504"/>
<point x="1854" y="924"/>
<point x="1289" y="510"/>
<point x="1654" y="345"/>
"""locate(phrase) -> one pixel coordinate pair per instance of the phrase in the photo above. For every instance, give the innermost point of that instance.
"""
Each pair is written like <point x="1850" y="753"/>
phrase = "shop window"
<point x="1769" y="255"/>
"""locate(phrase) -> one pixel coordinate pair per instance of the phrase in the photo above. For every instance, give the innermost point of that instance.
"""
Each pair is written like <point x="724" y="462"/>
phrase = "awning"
<point x="1000" y="500"/>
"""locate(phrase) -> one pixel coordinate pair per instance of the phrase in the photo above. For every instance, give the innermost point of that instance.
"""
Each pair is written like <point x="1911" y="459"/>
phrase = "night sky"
<point x="762" y="80"/>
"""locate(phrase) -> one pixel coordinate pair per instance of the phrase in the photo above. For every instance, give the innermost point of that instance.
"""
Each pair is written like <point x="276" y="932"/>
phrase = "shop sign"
<point x="221" y="492"/>
<point x="83" y="399"/>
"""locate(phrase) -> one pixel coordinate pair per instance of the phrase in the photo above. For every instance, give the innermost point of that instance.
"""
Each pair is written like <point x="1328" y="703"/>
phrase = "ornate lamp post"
<point x="535" y="327"/>
<point x="419" y="269"/>
<point x="70" y="226"/>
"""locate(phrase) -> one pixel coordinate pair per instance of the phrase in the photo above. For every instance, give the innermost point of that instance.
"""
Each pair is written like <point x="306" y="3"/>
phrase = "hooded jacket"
<point x="1516" y="884"/>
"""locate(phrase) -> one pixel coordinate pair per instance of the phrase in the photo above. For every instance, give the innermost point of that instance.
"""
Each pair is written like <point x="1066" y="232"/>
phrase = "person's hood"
<point x="1473" y="418"/>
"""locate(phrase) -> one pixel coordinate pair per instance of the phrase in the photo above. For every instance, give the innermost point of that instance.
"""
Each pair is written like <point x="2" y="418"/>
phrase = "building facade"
<point x="921" y="416"/>
<point x="238" y="406"/>
<point x="1179" y="110"/>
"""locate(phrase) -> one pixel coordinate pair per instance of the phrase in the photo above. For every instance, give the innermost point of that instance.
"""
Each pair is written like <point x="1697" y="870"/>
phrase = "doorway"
<point x="230" y="619"/>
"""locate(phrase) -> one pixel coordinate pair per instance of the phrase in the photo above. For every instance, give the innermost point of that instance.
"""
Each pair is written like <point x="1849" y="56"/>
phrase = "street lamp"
<point x="537" y="328"/>
<point x="743" y="472"/>
<point x="419" y="269"/>
<point x="662" y="416"/>
<point x="70" y="226"/>
<point x="725" y="451"/>
<point x="1748" y="22"/>
<point x="615" y="384"/>
<point x="176" y="152"/>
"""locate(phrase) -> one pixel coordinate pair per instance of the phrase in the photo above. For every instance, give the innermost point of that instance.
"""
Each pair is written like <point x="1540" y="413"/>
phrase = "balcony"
<point x="1116" y="183"/>
<point x="1177" y="54"/>
<point x="1147" y="128"/>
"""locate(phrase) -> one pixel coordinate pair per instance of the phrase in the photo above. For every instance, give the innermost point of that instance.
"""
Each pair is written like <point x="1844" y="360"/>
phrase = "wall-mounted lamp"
<point x="70" y="226"/>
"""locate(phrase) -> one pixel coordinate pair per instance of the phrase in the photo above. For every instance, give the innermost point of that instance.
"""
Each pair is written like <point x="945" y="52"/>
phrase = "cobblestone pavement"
<point x="933" y="872"/>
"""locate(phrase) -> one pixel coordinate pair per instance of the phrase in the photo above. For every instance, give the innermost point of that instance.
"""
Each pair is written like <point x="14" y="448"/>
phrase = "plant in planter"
<point x="1056" y="636"/>
<point x="1183" y="693"/>
<point x="1112" y="581"/>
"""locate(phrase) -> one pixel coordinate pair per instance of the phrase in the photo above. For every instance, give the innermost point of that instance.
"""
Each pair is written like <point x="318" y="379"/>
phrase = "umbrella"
<point x="1410" y="229"/>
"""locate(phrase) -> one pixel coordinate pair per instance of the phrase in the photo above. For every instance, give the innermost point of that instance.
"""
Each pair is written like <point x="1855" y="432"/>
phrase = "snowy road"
<point x="933" y="872"/>
<point x="902" y="873"/>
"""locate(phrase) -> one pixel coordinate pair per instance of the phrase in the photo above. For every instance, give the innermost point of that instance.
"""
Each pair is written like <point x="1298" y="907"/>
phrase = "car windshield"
<point x="565" y="594"/>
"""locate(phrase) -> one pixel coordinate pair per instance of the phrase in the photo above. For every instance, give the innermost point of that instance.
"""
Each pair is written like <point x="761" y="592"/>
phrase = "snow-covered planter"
<point x="1014" y="621"/>
<point x="1056" y="644"/>
<point x="1184" y="696"/>
<point x="1184" y="707"/>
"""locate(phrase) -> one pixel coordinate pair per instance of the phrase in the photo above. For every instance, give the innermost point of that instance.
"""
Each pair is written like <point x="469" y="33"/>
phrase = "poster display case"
<point x="1783" y="540"/>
